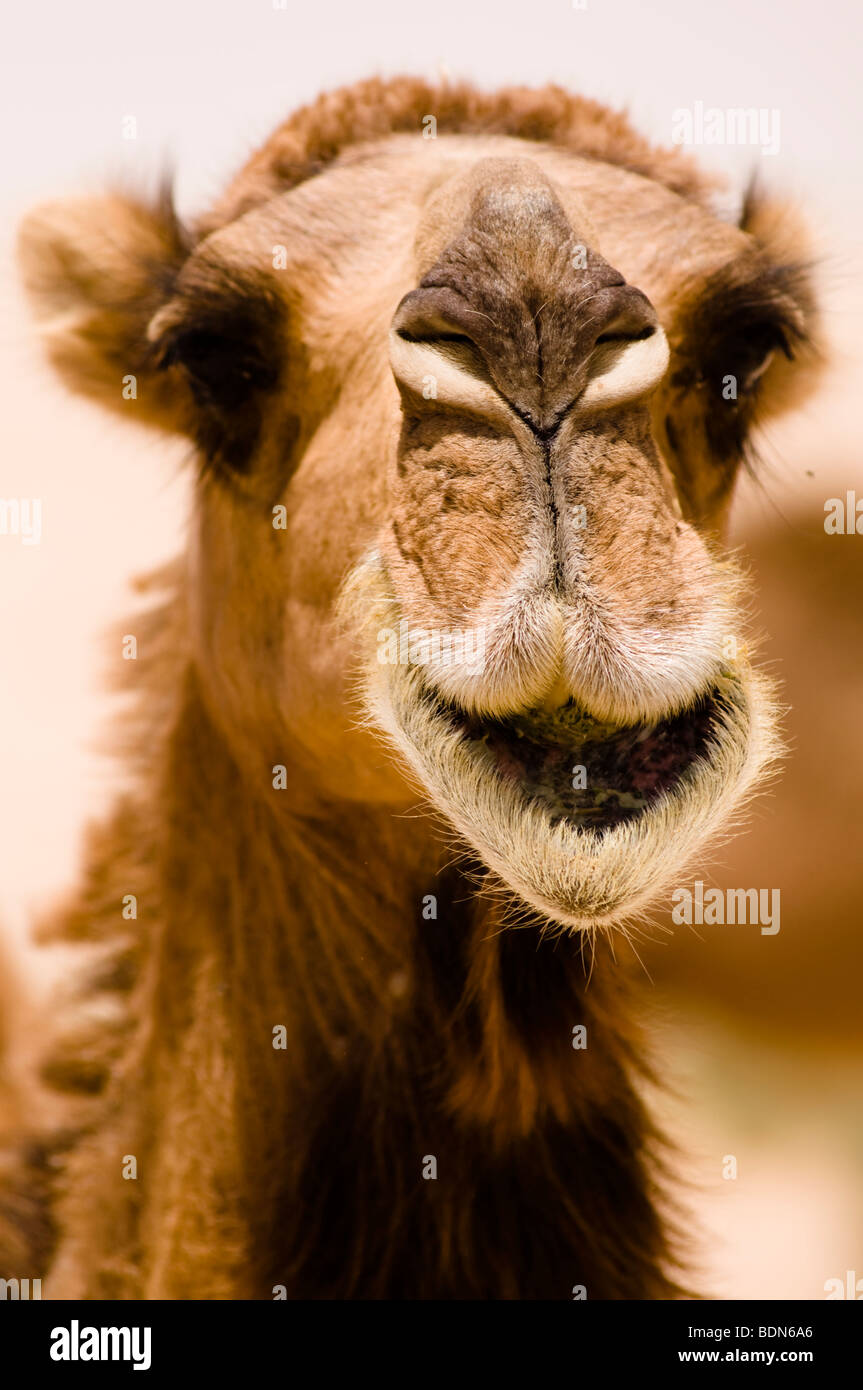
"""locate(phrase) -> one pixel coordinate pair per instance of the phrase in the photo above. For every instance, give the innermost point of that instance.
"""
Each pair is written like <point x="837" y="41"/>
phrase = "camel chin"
<point x="581" y="857"/>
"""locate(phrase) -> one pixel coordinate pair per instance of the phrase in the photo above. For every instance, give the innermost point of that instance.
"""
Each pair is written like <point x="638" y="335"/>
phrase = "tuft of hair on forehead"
<point x="316" y="135"/>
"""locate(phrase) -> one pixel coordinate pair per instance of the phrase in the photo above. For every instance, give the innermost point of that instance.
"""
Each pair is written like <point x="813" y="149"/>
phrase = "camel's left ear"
<point x="96" y="271"/>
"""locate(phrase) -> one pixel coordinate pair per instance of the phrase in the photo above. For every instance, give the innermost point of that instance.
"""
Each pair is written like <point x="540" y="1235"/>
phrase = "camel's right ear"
<point x="96" y="271"/>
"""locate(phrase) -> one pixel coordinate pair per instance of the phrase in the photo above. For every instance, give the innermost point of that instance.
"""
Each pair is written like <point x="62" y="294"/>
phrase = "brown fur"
<point x="407" y="1035"/>
<point x="319" y="133"/>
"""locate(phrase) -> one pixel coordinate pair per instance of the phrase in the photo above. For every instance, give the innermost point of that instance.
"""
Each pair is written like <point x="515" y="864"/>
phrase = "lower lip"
<point x="590" y="773"/>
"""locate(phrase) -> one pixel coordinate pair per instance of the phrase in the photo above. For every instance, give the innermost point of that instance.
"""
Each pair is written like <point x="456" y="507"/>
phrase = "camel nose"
<point x="541" y="356"/>
<point x="516" y="293"/>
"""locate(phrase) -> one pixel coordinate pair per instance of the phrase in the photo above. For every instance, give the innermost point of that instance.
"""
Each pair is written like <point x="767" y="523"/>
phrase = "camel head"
<point x="467" y="415"/>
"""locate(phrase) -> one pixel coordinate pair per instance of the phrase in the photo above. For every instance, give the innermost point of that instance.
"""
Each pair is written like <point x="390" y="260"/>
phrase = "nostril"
<point x="429" y="335"/>
<point x="435" y="315"/>
<point x="629" y="318"/>
<point x="436" y="359"/>
<point x="615" y="337"/>
<point x="628" y="358"/>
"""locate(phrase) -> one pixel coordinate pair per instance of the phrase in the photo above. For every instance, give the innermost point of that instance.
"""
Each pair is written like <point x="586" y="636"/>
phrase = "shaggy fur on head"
<point x="470" y="382"/>
<point x="317" y="134"/>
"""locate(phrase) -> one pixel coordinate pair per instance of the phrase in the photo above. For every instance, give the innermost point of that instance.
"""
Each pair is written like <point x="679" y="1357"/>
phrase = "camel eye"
<point x="751" y="356"/>
<point x="229" y="371"/>
<point x="223" y="369"/>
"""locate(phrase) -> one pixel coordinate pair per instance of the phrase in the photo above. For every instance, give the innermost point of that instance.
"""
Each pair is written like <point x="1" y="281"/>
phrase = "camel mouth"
<point x="580" y="770"/>
<point x="585" y="824"/>
<point x="597" y="855"/>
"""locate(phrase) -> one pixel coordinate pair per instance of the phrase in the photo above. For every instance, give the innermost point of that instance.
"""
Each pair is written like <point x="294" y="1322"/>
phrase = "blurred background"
<point x="761" y="1035"/>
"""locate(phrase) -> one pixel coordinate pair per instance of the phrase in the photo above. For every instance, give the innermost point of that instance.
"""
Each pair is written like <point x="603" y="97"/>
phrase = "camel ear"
<point x="96" y="271"/>
<point x="782" y="235"/>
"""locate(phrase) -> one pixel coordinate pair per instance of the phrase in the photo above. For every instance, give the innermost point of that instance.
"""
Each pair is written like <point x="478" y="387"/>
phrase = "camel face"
<point x="463" y="437"/>
<point x="566" y="693"/>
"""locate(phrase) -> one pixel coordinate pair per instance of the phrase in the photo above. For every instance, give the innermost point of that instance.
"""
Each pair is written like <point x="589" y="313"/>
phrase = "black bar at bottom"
<point x="299" y="1340"/>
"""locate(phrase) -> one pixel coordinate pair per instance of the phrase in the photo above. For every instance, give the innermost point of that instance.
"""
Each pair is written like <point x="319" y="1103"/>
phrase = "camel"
<point x="447" y="690"/>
